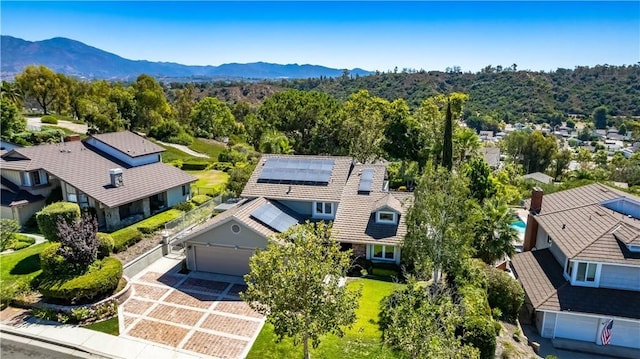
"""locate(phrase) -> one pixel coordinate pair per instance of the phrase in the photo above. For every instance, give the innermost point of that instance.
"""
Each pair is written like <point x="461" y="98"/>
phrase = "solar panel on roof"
<point x="366" y="180"/>
<point x="273" y="217"/>
<point x="296" y="171"/>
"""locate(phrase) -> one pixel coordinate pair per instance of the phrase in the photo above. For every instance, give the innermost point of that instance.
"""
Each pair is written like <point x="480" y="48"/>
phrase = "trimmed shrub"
<point x="20" y="241"/>
<point x="154" y="223"/>
<point x="504" y="293"/>
<point x="49" y="216"/>
<point x="184" y="206"/>
<point x="222" y="166"/>
<point x="125" y="237"/>
<point x="200" y="199"/>
<point x="49" y="119"/>
<point x="53" y="263"/>
<point x="194" y="166"/>
<point x="8" y="229"/>
<point x="101" y="279"/>
<point x="105" y="244"/>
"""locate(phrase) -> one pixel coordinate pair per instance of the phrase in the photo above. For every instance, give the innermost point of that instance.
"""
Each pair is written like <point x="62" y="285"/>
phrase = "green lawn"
<point x="24" y="263"/>
<point x="210" y="178"/>
<point x="210" y="149"/>
<point x="363" y="340"/>
<point x="109" y="326"/>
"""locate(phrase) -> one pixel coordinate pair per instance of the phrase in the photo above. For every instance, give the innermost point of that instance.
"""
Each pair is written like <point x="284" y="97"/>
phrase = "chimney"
<point x="531" y="232"/>
<point x="115" y="174"/>
<point x="536" y="200"/>
<point x="71" y="138"/>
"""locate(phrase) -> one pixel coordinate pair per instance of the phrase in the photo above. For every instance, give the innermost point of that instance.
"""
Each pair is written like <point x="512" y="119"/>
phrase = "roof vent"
<point x="115" y="174"/>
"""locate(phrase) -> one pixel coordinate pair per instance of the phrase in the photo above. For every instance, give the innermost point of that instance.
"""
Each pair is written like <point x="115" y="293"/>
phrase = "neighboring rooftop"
<point x="129" y="143"/>
<point x="539" y="177"/>
<point x="546" y="288"/>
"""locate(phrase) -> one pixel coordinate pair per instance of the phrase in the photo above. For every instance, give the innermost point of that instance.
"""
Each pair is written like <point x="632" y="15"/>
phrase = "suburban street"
<point x="19" y="348"/>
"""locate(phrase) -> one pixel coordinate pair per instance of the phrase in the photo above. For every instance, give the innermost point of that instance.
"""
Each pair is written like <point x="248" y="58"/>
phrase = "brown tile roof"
<point x="355" y="217"/>
<point x="583" y="229"/>
<point x="129" y="143"/>
<point x="331" y="192"/>
<point x="12" y="195"/>
<point x="88" y="170"/>
<point x="546" y="288"/>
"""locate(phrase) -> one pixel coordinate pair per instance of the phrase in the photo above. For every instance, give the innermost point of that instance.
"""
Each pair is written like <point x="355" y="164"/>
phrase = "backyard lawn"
<point x="363" y="340"/>
<point x="209" y="181"/>
<point x="208" y="147"/>
<point x="24" y="263"/>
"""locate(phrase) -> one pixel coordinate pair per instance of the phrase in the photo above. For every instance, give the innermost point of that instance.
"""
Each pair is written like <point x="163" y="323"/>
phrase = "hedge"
<point x="504" y="293"/>
<point x="105" y="244"/>
<point x="194" y="166"/>
<point x="152" y="224"/>
<point x="49" y="119"/>
<point x="48" y="217"/>
<point x="102" y="279"/>
<point x="125" y="237"/>
<point x="478" y="327"/>
<point x="200" y="199"/>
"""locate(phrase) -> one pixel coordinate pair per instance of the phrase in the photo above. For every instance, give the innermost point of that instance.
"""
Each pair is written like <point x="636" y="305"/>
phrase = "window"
<point x="386" y="217"/>
<point x="36" y="178"/>
<point x="586" y="272"/>
<point x="383" y="252"/>
<point x="71" y="194"/>
<point x="186" y="190"/>
<point x="569" y="269"/>
<point x="83" y="201"/>
<point x="323" y="208"/>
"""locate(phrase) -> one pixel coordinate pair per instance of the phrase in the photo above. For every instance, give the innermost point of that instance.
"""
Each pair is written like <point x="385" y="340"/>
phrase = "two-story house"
<point x="118" y="174"/>
<point x="580" y="267"/>
<point x="287" y="190"/>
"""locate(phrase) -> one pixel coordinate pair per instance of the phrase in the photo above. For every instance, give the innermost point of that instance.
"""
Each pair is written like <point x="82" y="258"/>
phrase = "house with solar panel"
<point x="285" y="190"/>
<point x="580" y="269"/>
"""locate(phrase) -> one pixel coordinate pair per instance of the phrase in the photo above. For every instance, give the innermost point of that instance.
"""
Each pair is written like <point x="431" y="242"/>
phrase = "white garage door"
<point x="576" y="327"/>
<point x="626" y="334"/>
<point x="223" y="260"/>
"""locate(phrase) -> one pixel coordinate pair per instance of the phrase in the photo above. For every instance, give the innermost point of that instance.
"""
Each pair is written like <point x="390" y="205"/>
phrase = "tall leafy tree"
<point x="561" y="161"/>
<point x="212" y="118"/>
<point x="296" y="283"/>
<point x="275" y="142"/>
<point x="533" y="150"/>
<point x="438" y="223"/>
<point x="494" y="237"/>
<point x="466" y="143"/>
<point x="41" y="84"/>
<point x="11" y="120"/>
<point x="447" y="146"/>
<point x="600" y="117"/>
<point x="12" y="92"/>
<point x="184" y="104"/>
<point x="481" y="183"/>
<point x="151" y="105"/>
<point x="363" y="119"/>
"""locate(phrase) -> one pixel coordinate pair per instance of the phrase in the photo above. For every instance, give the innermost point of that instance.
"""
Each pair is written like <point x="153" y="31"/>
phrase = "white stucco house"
<point x="580" y="267"/>
<point x="287" y="190"/>
<point x="119" y="174"/>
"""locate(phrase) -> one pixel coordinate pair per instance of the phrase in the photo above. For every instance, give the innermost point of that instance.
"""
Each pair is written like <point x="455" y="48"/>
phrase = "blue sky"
<point x="371" y="35"/>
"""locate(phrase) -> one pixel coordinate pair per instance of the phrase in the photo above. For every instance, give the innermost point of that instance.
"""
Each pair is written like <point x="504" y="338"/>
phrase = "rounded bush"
<point x="105" y="244"/>
<point x="49" y="216"/>
<point x="504" y="293"/>
<point x="101" y="280"/>
<point x="480" y="332"/>
<point x="200" y="199"/>
<point x="184" y="206"/>
<point x="49" y="119"/>
<point x="52" y="263"/>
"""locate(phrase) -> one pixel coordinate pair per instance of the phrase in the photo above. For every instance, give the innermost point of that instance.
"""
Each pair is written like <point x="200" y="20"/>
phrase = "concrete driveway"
<point x="196" y="313"/>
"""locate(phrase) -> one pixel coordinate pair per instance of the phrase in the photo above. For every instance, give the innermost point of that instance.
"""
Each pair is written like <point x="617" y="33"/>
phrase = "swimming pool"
<point x="519" y="226"/>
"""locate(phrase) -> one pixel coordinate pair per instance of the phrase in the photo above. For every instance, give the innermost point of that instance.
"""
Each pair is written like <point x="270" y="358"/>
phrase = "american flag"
<point x="606" y="332"/>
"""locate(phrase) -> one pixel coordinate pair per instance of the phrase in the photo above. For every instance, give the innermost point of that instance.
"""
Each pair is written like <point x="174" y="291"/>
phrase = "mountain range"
<point x="75" y="58"/>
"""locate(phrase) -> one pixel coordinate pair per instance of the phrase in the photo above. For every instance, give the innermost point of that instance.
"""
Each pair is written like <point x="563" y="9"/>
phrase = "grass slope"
<point x="24" y="263"/>
<point x="209" y="148"/>
<point x="363" y="340"/>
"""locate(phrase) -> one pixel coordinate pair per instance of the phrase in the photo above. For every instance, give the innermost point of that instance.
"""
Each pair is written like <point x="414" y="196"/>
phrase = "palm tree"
<point x="467" y="143"/>
<point x="494" y="235"/>
<point x="275" y="142"/>
<point x="11" y="91"/>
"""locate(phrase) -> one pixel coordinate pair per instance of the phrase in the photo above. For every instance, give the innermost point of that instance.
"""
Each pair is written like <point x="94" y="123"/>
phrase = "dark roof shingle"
<point x="128" y="143"/>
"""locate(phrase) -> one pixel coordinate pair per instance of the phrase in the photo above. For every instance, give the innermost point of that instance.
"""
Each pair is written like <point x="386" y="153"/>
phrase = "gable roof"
<point x="88" y="170"/>
<point x="584" y="229"/>
<point x="388" y="201"/>
<point x="281" y="191"/>
<point x="12" y="195"/>
<point x="128" y="143"/>
<point x="546" y="288"/>
<point x="539" y="176"/>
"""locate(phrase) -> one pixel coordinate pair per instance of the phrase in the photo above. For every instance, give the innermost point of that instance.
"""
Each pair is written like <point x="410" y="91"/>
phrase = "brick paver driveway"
<point x="197" y="313"/>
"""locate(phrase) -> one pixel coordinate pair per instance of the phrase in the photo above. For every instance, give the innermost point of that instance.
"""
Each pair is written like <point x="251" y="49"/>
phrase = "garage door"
<point x="625" y="333"/>
<point x="576" y="327"/>
<point x="223" y="260"/>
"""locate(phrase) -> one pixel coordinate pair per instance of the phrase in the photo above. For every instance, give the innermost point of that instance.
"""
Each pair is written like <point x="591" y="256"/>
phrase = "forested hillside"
<point x="496" y="92"/>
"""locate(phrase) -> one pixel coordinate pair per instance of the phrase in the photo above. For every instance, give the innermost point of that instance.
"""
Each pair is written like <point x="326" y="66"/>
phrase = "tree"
<point x="600" y="117"/>
<point x="184" y="104"/>
<point x="601" y="158"/>
<point x="466" y="143"/>
<point x="238" y="178"/>
<point x="151" y="105"/>
<point x="12" y="92"/>
<point x="8" y="228"/>
<point x="11" y="121"/>
<point x="447" y="147"/>
<point x="422" y="324"/>
<point x="584" y="157"/>
<point x="40" y="83"/>
<point x="494" y="237"/>
<point x="561" y="162"/>
<point x="534" y="151"/>
<point x="437" y="223"/>
<point x="401" y="133"/>
<point x="481" y="184"/>
<point x="78" y="242"/>
<point x="275" y="142"/>
<point x="296" y="282"/>
<point x="363" y="125"/>
<point x="211" y="118"/>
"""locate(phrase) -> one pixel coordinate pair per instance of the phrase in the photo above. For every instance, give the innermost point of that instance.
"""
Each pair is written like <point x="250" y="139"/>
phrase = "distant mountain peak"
<point x="76" y="58"/>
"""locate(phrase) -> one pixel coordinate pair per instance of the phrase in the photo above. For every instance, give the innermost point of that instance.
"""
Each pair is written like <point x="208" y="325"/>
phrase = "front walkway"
<point x="195" y="313"/>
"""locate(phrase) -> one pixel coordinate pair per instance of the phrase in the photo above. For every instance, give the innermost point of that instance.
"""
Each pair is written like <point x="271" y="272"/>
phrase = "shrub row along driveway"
<point x="197" y="313"/>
